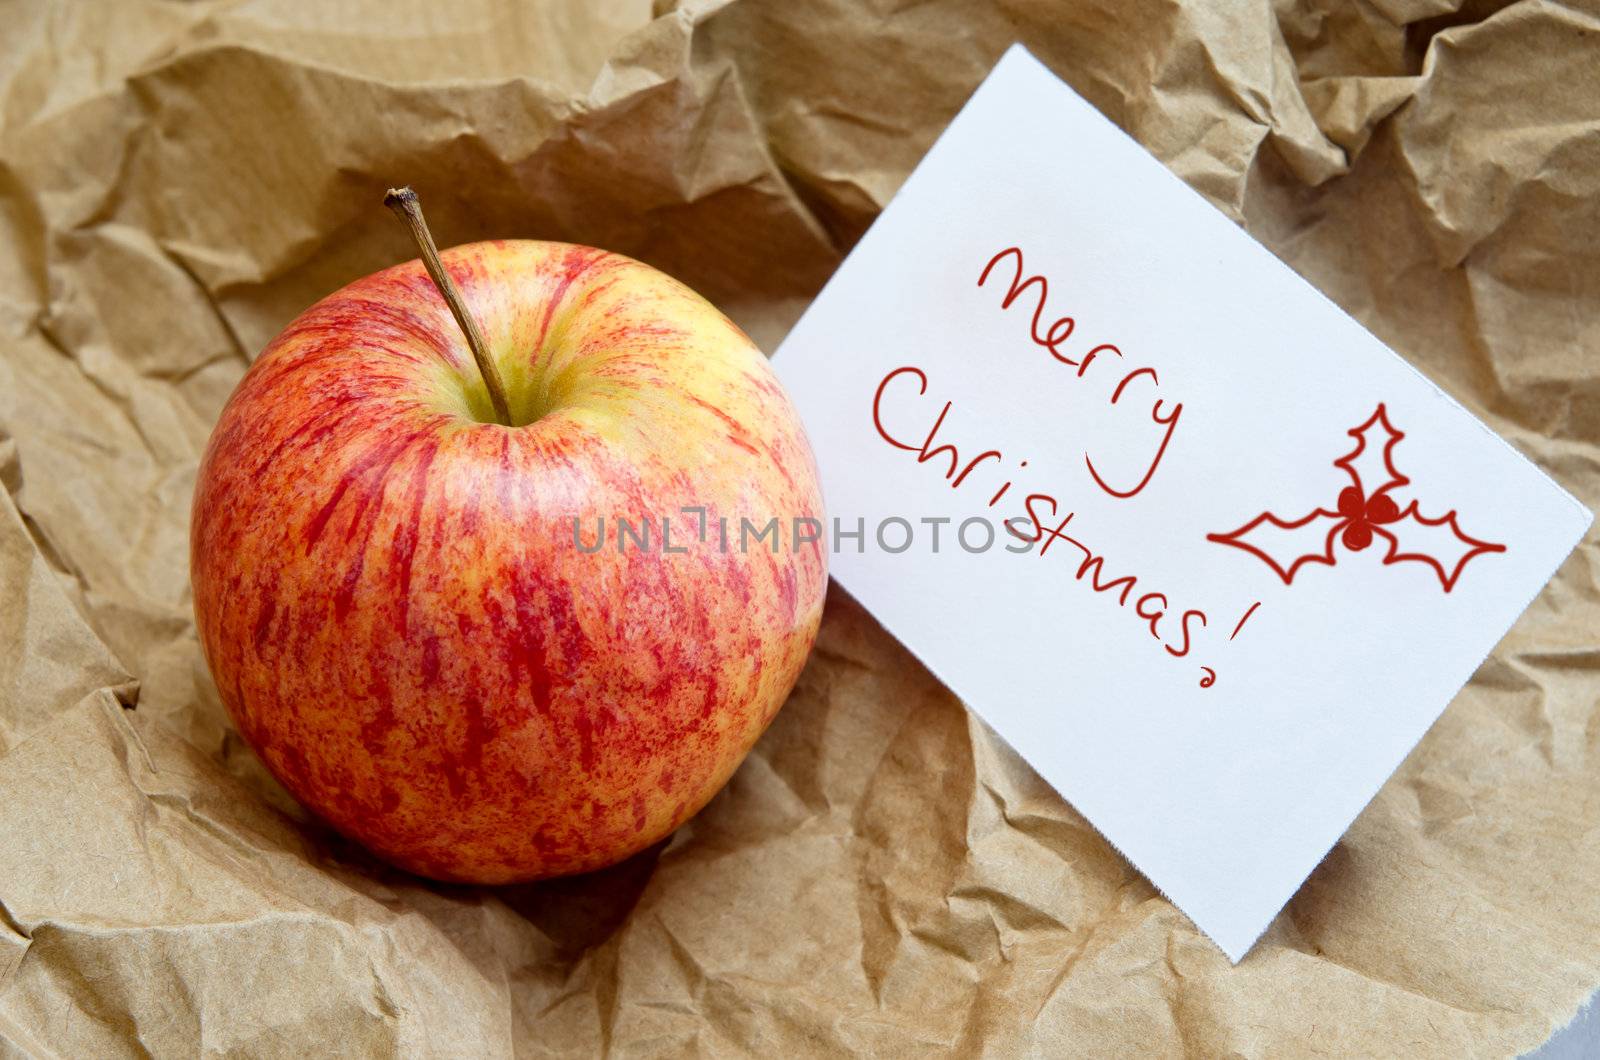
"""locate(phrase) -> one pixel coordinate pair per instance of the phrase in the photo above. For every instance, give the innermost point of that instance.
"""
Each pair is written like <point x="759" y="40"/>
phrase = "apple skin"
<point x="390" y="597"/>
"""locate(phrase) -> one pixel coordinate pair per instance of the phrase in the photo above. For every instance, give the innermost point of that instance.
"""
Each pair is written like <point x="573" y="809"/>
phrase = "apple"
<point x="390" y="592"/>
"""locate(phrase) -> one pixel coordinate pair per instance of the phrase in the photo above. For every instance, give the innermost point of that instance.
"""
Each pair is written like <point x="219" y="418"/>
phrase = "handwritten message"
<point x="919" y="426"/>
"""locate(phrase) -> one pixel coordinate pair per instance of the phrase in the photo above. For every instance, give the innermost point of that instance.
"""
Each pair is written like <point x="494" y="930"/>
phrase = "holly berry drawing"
<point x="1363" y="512"/>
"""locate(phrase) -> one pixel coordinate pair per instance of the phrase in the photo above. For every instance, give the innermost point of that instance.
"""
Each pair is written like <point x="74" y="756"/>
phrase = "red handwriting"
<point x="1052" y="337"/>
<point x="927" y="450"/>
<point x="905" y="418"/>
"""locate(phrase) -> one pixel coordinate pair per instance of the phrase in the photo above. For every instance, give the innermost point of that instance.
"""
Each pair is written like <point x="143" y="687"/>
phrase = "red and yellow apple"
<point x="395" y="606"/>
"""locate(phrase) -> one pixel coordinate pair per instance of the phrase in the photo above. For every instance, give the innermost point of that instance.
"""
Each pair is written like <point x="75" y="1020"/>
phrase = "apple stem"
<point x="403" y="201"/>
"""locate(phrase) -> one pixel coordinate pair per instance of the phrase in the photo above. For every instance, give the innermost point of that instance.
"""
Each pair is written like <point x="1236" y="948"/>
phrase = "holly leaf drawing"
<point x="1363" y="512"/>
<point x="1286" y="545"/>
<point x="1440" y="543"/>
<point x="1370" y="464"/>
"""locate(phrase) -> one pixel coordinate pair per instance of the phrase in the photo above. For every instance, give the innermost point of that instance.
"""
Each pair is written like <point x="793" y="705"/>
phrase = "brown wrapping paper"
<point x="883" y="875"/>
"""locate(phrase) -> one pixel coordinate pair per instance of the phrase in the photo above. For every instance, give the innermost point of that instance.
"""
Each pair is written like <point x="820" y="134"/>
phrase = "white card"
<point x="1224" y="717"/>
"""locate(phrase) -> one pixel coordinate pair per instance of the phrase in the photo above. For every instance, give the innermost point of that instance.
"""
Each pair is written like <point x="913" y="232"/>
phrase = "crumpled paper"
<point x="883" y="875"/>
